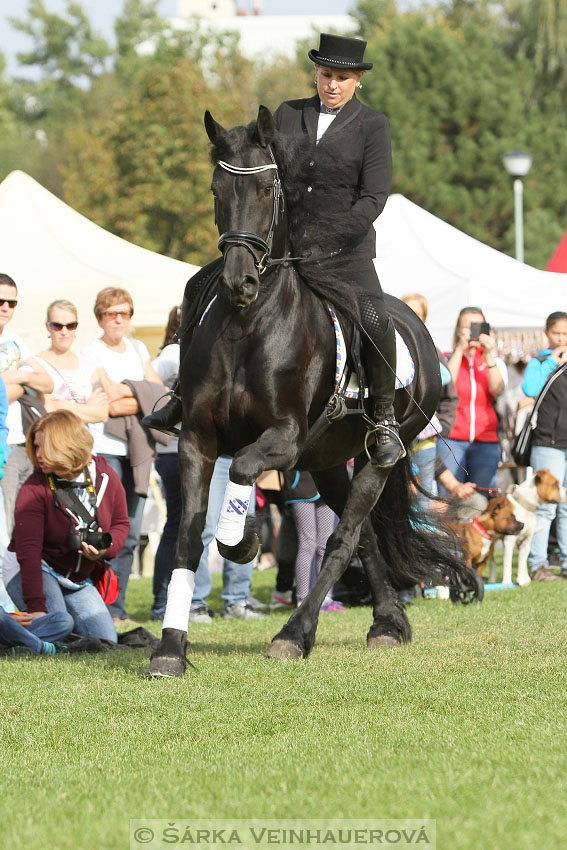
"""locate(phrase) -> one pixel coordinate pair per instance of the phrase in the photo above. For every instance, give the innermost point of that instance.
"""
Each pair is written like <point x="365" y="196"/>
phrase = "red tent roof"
<point x="558" y="260"/>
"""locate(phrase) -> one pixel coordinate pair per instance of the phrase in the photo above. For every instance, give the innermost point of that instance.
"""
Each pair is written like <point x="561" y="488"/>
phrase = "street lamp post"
<point x="517" y="164"/>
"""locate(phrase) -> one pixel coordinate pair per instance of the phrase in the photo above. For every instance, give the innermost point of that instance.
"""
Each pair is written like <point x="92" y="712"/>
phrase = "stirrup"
<point x="392" y="432"/>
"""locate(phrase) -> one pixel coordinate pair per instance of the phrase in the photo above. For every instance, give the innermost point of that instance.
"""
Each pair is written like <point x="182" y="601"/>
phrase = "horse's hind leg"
<point x="297" y="637"/>
<point x="390" y="625"/>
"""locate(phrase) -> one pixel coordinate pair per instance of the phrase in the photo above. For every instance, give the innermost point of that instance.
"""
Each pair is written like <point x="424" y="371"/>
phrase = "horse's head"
<point x="248" y="202"/>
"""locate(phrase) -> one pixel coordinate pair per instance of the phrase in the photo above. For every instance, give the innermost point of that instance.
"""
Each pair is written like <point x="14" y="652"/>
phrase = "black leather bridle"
<point x="251" y="241"/>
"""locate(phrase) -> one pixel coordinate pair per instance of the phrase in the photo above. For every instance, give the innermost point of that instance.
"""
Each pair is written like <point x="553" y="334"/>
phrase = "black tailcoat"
<point x="349" y="172"/>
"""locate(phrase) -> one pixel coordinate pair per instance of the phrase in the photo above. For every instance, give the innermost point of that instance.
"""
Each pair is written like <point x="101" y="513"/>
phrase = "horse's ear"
<point x="213" y="129"/>
<point x="265" y="128"/>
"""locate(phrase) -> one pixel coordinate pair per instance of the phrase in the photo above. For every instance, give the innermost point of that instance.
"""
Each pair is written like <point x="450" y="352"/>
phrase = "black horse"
<point x="257" y="374"/>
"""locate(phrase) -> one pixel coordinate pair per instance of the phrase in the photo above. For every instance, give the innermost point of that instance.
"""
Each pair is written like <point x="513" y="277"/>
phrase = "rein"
<point x="251" y="241"/>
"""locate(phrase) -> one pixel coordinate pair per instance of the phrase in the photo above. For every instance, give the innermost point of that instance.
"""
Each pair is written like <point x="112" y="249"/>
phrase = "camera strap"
<point x="64" y="496"/>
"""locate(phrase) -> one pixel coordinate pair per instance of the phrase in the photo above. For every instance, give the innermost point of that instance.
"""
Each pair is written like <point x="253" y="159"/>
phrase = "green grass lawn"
<point x="465" y="725"/>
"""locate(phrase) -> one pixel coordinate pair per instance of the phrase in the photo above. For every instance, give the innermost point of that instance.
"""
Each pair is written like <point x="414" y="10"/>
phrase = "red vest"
<point x="476" y="417"/>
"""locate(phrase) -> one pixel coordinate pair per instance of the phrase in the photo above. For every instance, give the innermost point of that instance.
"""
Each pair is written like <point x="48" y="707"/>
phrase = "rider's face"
<point x="335" y="85"/>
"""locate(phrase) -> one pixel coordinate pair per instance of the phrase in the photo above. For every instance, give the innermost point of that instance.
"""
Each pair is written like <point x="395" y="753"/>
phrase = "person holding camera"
<point x="472" y="450"/>
<point x="71" y="517"/>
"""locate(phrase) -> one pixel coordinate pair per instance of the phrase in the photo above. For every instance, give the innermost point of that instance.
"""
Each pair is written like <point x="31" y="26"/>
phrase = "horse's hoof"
<point x="166" y="667"/>
<point x="382" y="642"/>
<point x="284" y="650"/>
<point x="243" y="552"/>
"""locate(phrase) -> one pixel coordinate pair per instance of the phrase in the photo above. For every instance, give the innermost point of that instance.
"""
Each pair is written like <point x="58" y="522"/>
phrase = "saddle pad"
<point x="405" y="367"/>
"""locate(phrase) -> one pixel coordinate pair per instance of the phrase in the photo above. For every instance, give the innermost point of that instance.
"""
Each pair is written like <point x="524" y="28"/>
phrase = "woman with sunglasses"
<point x="75" y="386"/>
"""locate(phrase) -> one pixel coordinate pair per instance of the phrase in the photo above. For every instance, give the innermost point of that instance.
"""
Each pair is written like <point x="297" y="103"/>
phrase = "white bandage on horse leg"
<point x="230" y="528"/>
<point x="179" y="596"/>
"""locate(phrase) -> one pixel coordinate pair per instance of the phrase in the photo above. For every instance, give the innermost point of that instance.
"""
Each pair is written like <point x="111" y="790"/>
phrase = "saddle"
<point x="200" y="290"/>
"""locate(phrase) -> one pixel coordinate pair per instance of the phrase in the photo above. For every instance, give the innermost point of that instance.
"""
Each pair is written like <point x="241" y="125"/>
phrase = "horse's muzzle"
<point x="242" y="293"/>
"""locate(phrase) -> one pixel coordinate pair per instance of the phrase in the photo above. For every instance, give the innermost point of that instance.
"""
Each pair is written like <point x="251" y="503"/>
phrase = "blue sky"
<point x="103" y="12"/>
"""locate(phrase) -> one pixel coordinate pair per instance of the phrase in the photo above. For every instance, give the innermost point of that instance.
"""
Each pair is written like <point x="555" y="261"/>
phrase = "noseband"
<point x="251" y="241"/>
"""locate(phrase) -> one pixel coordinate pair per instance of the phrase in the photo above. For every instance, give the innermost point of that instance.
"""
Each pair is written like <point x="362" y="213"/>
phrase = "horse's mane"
<point x="315" y="230"/>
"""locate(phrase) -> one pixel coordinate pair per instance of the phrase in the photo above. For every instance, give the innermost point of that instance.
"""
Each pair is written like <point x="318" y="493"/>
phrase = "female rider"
<point x="348" y="164"/>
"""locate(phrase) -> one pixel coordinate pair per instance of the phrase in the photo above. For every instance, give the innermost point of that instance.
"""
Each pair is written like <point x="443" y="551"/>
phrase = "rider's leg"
<point x="169" y="416"/>
<point x="379" y="354"/>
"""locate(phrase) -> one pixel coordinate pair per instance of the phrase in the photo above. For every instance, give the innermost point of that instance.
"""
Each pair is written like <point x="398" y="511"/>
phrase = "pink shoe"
<point x="330" y="606"/>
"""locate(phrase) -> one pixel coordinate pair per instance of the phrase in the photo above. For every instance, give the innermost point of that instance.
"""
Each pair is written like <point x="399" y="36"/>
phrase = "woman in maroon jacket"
<point x="43" y="570"/>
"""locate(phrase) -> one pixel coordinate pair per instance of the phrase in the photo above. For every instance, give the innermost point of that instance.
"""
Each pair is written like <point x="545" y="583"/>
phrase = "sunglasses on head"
<point x="113" y="314"/>
<point x="8" y="301"/>
<point x="58" y="326"/>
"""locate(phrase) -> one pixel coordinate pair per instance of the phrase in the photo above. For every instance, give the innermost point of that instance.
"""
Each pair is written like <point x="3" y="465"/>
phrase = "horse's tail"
<point x="414" y="543"/>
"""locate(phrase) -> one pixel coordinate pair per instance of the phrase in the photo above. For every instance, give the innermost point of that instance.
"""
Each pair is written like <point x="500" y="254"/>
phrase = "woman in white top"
<point x="122" y="358"/>
<point x="75" y="386"/>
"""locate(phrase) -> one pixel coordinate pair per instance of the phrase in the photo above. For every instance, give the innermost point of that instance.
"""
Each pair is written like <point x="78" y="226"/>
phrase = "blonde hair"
<point x="108" y="297"/>
<point x="421" y="300"/>
<point x="62" y="304"/>
<point x="67" y="443"/>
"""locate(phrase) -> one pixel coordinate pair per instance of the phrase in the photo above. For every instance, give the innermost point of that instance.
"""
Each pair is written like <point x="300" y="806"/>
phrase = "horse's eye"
<point x="267" y="191"/>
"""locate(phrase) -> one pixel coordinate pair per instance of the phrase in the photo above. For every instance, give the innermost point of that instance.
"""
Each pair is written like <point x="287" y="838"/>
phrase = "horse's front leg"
<point x="297" y="637"/>
<point x="196" y="460"/>
<point x="236" y="535"/>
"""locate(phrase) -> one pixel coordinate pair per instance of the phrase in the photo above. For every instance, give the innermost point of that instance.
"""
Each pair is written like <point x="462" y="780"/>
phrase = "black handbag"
<point x="522" y="446"/>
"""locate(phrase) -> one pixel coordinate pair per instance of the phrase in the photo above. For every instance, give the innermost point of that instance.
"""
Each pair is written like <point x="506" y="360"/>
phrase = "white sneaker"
<point x="241" y="611"/>
<point x="202" y="614"/>
<point x="255" y="603"/>
<point x="281" y="599"/>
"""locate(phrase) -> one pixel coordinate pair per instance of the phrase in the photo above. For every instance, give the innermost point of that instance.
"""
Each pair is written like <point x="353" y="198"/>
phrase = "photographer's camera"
<point x="98" y="539"/>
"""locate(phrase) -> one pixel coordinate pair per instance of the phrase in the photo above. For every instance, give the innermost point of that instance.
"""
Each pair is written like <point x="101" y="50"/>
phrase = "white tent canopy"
<point x="52" y="252"/>
<point x="418" y="252"/>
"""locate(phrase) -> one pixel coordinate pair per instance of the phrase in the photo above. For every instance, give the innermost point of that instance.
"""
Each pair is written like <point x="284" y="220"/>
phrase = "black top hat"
<point x="336" y="51"/>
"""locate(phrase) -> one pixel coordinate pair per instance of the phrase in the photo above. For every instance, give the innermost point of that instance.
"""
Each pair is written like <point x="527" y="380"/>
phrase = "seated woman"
<point x="75" y="386"/>
<point x="44" y="570"/>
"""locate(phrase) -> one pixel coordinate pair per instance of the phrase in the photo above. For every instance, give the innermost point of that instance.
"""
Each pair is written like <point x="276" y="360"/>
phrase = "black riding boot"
<point x="167" y="417"/>
<point x="386" y="447"/>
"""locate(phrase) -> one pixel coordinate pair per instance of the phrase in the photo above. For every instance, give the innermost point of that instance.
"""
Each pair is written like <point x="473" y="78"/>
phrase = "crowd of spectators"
<point x="75" y="463"/>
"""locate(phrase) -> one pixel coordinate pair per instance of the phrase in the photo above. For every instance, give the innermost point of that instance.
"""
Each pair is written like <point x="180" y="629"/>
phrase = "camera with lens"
<point x="99" y="539"/>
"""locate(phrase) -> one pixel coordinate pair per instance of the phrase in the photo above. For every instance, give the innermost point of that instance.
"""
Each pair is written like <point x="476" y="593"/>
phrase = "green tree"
<point x="456" y="102"/>
<point x="143" y="172"/>
<point x="65" y="47"/>
<point x="537" y="31"/>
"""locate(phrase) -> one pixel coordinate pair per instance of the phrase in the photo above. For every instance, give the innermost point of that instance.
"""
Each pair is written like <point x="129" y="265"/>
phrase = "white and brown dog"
<point x="480" y="534"/>
<point x="526" y="499"/>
